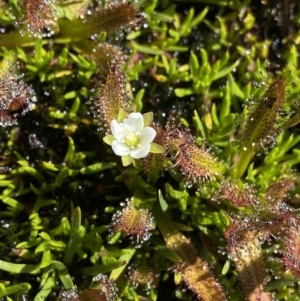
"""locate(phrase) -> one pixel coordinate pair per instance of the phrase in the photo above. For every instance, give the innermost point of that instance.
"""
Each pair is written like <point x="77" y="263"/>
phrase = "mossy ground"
<point x="198" y="63"/>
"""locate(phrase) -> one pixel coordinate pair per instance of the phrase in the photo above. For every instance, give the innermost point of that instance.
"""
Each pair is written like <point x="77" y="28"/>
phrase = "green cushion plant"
<point x="149" y="150"/>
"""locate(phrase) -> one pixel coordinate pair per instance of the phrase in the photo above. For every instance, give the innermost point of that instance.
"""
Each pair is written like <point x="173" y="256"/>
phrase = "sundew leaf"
<point x="65" y="78"/>
<point x="111" y="100"/>
<point x="108" y="19"/>
<point x="208" y="288"/>
<point x="259" y="128"/>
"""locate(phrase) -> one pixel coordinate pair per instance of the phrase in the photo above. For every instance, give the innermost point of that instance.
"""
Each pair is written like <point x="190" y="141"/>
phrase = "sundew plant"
<point x="149" y="150"/>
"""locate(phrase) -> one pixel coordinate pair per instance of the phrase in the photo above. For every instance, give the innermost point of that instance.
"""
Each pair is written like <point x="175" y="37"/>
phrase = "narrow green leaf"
<point x="70" y="152"/>
<point x="146" y="49"/>
<point x="33" y="172"/>
<point x="214" y="115"/>
<point x="194" y="66"/>
<point x="138" y="99"/>
<point x="198" y="19"/>
<point x="13" y="203"/>
<point x="75" y="236"/>
<point x="101" y="268"/>
<point x="42" y="202"/>
<point x="64" y="173"/>
<point x="46" y="259"/>
<point x="182" y="92"/>
<point x="126" y="258"/>
<point x="56" y="245"/>
<point x="182" y="227"/>
<point x="63" y="274"/>
<point x="19" y="268"/>
<point x="234" y="88"/>
<point x="48" y="166"/>
<point x="70" y="95"/>
<point x="29" y="244"/>
<point x="204" y="56"/>
<point x="141" y="182"/>
<point x="166" y="63"/>
<point x="177" y="48"/>
<point x="199" y="124"/>
<point x="75" y="106"/>
<point x="41" y="247"/>
<point x="97" y="167"/>
<point x="185" y="28"/>
<point x="278" y="284"/>
<point x="45" y="290"/>
<point x="163" y="204"/>
<point x="169" y="254"/>
<point x="225" y="107"/>
<point x="226" y="267"/>
<point x="15" y="289"/>
<point x="224" y="71"/>
<point x="173" y="71"/>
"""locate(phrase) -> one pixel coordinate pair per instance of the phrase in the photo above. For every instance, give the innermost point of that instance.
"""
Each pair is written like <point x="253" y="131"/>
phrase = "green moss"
<point x="201" y="68"/>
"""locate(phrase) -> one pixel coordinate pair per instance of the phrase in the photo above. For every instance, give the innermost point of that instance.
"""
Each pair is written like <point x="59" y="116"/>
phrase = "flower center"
<point x="132" y="140"/>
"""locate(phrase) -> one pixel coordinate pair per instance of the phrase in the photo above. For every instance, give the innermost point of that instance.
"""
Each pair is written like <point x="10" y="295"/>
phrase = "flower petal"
<point x="114" y="127"/>
<point x="117" y="130"/>
<point x="120" y="149"/>
<point x="140" y="152"/>
<point x="147" y="135"/>
<point x="135" y="122"/>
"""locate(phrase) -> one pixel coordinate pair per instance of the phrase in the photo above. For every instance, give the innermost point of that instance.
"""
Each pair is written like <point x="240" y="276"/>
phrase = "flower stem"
<point x="15" y="39"/>
<point x="242" y="164"/>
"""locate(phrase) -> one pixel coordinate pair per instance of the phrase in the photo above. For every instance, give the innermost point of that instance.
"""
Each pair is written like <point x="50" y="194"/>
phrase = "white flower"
<point x="132" y="138"/>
